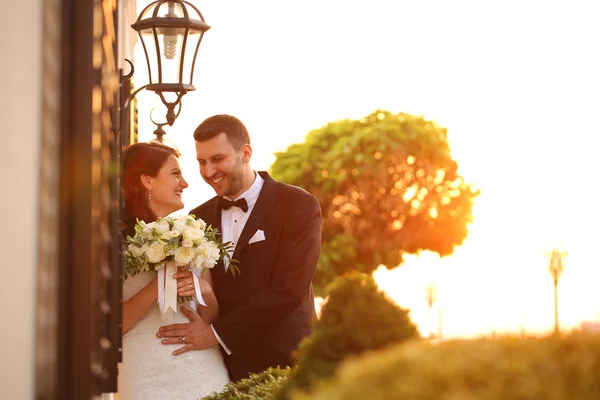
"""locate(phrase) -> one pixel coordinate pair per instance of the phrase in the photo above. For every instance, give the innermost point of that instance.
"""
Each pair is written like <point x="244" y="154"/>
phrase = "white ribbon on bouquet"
<point x="196" y="272"/>
<point x="167" y="289"/>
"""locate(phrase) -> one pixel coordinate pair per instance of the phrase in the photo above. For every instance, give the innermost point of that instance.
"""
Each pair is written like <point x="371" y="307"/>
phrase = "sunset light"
<point x="516" y="85"/>
<point x="290" y="200"/>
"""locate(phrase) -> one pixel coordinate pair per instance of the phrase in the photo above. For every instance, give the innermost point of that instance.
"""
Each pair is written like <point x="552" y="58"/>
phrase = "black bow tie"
<point x="227" y="204"/>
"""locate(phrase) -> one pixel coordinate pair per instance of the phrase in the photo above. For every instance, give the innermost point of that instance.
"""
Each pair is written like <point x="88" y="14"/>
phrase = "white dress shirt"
<point x="233" y="221"/>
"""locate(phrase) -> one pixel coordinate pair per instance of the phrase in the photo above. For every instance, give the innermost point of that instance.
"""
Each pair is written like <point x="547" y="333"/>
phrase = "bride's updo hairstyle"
<point x="137" y="160"/>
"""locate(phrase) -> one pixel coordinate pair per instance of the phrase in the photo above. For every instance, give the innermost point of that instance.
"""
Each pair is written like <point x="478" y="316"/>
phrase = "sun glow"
<point x="519" y="105"/>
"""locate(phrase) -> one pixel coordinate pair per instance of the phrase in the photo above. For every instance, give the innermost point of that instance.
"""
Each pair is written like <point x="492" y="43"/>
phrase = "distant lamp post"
<point x="170" y="32"/>
<point x="556" y="266"/>
<point x="431" y="297"/>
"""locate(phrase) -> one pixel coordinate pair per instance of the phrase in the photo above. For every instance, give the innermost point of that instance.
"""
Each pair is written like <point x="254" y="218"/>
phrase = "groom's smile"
<point x="218" y="183"/>
<point x="222" y="167"/>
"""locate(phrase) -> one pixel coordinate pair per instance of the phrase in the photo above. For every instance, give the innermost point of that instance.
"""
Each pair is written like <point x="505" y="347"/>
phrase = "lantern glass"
<point x="171" y="32"/>
<point x="164" y="60"/>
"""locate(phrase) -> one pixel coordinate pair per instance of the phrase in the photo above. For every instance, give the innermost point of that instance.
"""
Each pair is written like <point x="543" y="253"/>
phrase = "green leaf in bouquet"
<point x="233" y="267"/>
<point x="225" y="254"/>
<point x="181" y="300"/>
<point x="170" y="247"/>
<point x="139" y="240"/>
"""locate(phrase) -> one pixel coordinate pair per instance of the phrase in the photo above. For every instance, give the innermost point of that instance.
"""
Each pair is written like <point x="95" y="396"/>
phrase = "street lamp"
<point x="170" y="32"/>
<point x="556" y="266"/>
<point x="430" y="296"/>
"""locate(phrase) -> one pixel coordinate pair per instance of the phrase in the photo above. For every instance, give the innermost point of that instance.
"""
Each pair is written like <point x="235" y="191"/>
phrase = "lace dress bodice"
<point x="150" y="371"/>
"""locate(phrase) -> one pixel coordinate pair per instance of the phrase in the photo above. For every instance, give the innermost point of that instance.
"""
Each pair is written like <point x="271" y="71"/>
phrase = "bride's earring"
<point x="150" y="194"/>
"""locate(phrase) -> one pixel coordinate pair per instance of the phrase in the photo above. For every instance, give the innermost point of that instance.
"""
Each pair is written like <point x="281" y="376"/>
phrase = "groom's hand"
<point x="194" y="335"/>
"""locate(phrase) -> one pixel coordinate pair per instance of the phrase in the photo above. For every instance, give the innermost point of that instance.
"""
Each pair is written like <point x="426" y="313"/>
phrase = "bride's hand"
<point x="185" y="283"/>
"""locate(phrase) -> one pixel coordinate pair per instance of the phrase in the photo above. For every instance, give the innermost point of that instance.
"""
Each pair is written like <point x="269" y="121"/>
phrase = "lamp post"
<point x="170" y="32"/>
<point x="556" y="266"/>
<point x="430" y="296"/>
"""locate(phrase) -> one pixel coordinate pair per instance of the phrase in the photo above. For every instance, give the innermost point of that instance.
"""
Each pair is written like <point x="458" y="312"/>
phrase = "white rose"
<point x="201" y="254"/>
<point x="184" y="255"/>
<point x="162" y="226"/>
<point x="198" y="261"/>
<point x="146" y="228"/>
<point x="211" y="254"/>
<point x="180" y="222"/>
<point x="155" y="252"/>
<point x="198" y="224"/>
<point x="171" y="234"/>
<point x="187" y="243"/>
<point x="192" y="234"/>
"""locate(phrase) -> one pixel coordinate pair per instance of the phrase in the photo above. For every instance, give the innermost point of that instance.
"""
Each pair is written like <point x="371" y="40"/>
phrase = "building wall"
<point x="20" y="110"/>
<point x="127" y="36"/>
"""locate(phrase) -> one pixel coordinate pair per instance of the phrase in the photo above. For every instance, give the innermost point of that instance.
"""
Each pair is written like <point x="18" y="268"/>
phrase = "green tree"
<point x="387" y="186"/>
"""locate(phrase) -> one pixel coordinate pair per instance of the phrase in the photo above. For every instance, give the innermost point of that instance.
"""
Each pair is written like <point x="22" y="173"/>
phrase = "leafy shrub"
<point x="356" y="318"/>
<point x="485" y="369"/>
<point x="257" y="386"/>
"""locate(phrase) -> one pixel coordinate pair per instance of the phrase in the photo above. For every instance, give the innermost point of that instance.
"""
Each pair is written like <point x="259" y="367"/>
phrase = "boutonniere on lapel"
<point x="233" y="263"/>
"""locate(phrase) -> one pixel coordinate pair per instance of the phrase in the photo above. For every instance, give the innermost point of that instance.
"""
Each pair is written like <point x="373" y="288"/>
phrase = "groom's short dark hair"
<point x="236" y="131"/>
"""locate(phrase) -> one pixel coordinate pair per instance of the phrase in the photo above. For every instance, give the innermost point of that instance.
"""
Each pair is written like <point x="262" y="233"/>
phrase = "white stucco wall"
<point x="20" y="114"/>
<point x="127" y="36"/>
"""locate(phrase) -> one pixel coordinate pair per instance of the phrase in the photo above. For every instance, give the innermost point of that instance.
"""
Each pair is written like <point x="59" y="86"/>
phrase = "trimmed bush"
<point x="257" y="386"/>
<point x="356" y="318"/>
<point x="485" y="369"/>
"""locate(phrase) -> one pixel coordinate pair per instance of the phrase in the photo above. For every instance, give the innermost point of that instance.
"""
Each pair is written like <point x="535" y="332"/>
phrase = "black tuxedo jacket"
<point x="268" y="308"/>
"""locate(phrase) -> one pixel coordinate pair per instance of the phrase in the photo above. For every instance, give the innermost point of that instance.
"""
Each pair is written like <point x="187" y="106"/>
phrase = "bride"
<point x="152" y="185"/>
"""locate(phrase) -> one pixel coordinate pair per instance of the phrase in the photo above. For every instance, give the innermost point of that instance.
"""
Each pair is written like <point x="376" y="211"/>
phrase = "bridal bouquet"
<point x="173" y="242"/>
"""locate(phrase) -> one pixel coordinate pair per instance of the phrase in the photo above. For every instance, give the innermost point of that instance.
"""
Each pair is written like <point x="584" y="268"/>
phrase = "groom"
<point x="267" y="308"/>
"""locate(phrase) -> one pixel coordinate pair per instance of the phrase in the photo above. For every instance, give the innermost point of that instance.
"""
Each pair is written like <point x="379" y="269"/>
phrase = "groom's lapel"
<point x="261" y="209"/>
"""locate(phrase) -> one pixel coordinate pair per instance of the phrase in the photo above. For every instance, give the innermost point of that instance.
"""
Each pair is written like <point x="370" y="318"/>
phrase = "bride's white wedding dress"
<point x="149" y="370"/>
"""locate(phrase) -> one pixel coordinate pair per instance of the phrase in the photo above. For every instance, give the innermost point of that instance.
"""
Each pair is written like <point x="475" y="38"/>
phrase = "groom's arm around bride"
<point x="268" y="308"/>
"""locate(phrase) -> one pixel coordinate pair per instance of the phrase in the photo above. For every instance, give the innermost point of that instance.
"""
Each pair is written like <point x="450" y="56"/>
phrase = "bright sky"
<point x="516" y="83"/>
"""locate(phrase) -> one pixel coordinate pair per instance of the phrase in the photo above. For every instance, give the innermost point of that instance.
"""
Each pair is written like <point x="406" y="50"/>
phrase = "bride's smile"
<point x="167" y="188"/>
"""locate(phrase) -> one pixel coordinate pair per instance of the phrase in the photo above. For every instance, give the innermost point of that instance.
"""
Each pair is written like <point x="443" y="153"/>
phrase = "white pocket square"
<point x="258" y="236"/>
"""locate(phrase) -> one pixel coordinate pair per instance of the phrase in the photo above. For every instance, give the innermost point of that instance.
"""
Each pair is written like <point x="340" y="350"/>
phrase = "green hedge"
<point x="257" y="386"/>
<point x="486" y="369"/>
<point x="356" y="318"/>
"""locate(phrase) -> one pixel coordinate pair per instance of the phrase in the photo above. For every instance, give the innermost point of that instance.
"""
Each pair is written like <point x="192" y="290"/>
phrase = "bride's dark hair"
<point x="137" y="160"/>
